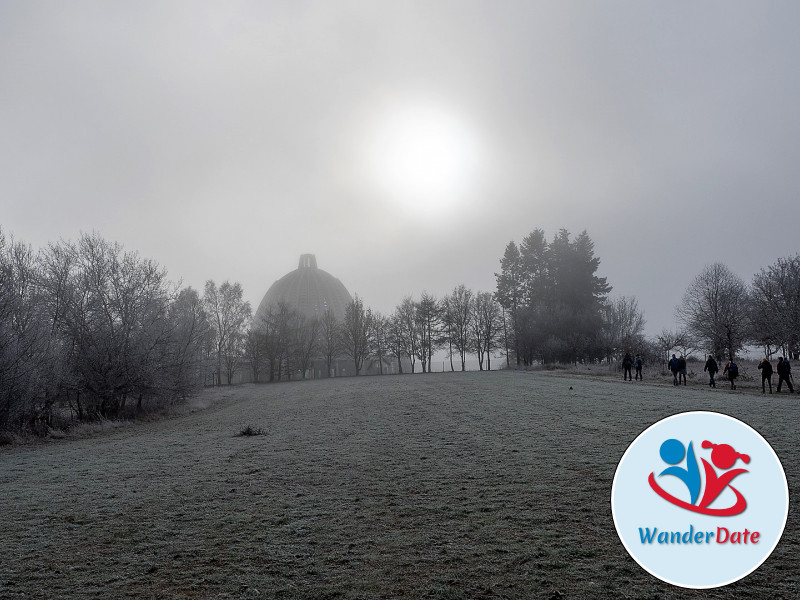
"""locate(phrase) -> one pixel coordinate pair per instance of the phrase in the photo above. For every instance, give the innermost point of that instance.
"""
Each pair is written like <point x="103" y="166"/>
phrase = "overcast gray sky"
<point x="405" y="143"/>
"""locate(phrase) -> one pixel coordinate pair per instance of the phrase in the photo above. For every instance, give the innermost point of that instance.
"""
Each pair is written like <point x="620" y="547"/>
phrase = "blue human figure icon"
<point x="672" y="452"/>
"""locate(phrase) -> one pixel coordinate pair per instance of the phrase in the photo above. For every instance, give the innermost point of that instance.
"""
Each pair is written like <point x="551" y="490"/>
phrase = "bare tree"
<point x="330" y="342"/>
<point x="448" y="331"/>
<point x="233" y="352"/>
<point x="487" y="328"/>
<point x="379" y="338"/>
<point x="23" y="342"/>
<point x="458" y="316"/>
<point x="394" y="341"/>
<point x="93" y="328"/>
<point x="269" y="329"/>
<point x="254" y="352"/>
<point x="116" y="318"/>
<point x="679" y="341"/>
<point x="775" y="307"/>
<point x="192" y="339"/>
<point x="277" y="327"/>
<point x="355" y="332"/>
<point x="306" y="343"/>
<point x="623" y="327"/>
<point x="686" y="344"/>
<point x="715" y="310"/>
<point x="666" y="341"/>
<point x="407" y="338"/>
<point x="428" y="321"/>
<point x="229" y="315"/>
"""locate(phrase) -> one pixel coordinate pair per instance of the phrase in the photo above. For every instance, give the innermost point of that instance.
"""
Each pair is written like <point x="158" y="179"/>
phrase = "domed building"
<point x="309" y="290"/>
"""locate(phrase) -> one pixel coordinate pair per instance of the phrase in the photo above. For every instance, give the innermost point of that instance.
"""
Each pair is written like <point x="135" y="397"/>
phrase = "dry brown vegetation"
<point x="463" y="485"/>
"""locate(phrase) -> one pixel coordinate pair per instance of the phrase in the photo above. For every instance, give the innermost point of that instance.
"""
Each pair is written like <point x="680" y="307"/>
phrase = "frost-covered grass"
<point x="458" y="485"/>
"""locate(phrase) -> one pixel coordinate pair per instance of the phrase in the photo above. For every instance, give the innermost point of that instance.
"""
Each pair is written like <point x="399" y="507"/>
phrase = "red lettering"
<point x="736" y="537"/>
<point x="720" y="539"/>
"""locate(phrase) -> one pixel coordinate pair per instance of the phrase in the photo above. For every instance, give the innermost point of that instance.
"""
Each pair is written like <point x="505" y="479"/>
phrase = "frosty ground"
<point x="451" y="485"/>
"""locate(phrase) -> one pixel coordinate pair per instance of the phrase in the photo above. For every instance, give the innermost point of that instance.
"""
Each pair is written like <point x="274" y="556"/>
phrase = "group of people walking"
<point x="677" y="366"/>
<point x="731" y="370"/>
<point x="784" y="370"/>
<point x="628" y="363"/>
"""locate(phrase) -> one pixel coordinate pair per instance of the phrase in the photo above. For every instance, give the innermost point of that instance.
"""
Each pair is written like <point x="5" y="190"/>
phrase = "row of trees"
<point x="283" y="343"/>
<point x="549" y="306"/>
<point x="89" y="330"/>
<point x="721" y="314"/>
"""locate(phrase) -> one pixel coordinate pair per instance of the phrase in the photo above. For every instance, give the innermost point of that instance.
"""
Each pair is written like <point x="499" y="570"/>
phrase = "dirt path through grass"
<point x="459" y="485"/>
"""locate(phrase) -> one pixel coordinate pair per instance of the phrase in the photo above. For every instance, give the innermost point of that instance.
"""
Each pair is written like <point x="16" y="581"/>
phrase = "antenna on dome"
<point x="307" y="261"/>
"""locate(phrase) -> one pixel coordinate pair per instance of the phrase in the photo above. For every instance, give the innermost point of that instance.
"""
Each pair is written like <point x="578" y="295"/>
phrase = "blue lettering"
<point x="687" y="537"/>
<point x="691" y="536"/>
<point x="647" y="537"/>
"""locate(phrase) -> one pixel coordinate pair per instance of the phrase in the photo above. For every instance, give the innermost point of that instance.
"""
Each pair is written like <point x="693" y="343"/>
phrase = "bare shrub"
<point x="249" y="430"/>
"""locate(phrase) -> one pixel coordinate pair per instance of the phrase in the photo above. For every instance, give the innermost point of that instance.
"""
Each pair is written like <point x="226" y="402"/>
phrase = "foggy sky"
<point x="225" y="139"/>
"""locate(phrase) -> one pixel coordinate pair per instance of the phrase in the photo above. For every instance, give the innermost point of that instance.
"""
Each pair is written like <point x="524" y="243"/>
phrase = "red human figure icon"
<point x="724" y="457"/>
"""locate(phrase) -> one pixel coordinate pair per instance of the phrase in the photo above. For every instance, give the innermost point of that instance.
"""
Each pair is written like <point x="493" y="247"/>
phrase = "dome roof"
<point x="309" y="290"/>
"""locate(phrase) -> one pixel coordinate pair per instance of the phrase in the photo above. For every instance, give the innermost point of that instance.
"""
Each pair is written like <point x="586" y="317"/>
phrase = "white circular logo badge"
<point x="700" y="499"/>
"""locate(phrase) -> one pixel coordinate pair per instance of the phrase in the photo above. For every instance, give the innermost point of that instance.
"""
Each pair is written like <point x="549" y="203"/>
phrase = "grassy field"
<point x="463" y="485"/>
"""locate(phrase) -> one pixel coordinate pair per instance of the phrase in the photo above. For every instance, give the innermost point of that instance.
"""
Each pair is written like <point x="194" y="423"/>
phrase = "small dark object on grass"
<point x="570" y="387"/>
<point x="250" y="430"/>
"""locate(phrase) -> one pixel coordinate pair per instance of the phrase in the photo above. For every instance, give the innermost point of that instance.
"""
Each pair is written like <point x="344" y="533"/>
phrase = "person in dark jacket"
<point x="673" y="366"/>
<point x="638" y="363"/>
<point x="766" y="374"/>
<point x="712" y="367"/>
<point x="732" y="371"/>
<point x="627" y="363"/>
<point x="784" y="373"/>
<point x="682" y="370"/>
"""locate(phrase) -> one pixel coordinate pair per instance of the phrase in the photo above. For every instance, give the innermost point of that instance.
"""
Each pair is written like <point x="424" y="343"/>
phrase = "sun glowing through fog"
<point x="420" y="156"/>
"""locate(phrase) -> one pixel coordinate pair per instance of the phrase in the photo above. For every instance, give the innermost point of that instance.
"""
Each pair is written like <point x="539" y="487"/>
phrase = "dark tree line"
<point x="556" y="305"/>
<point x="90" y="331"/>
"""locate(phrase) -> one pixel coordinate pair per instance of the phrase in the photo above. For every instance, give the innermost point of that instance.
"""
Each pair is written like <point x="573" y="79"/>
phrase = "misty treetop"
<point x="553" y="297"/>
